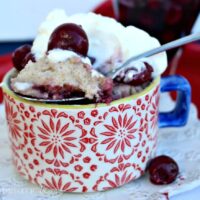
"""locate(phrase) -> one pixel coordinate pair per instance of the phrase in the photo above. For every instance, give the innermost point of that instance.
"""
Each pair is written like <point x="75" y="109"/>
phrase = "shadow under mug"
<point x="88" y="148"/>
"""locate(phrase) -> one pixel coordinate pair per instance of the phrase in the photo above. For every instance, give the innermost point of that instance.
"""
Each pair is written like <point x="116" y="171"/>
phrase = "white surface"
<point x="19" y="19"/>
<point x="180" y="143"/>
<point x="191" y="195"/>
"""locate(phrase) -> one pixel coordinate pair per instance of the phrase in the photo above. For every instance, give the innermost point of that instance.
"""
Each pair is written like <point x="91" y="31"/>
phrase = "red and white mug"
<point x="88" y="148"/>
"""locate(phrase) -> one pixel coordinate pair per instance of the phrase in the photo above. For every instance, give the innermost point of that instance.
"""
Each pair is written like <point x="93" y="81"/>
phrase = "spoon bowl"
<point x="61" y="101"/>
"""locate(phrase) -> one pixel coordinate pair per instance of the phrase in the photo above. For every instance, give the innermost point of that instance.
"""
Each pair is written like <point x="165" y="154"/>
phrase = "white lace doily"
<point x="180" y="143"/>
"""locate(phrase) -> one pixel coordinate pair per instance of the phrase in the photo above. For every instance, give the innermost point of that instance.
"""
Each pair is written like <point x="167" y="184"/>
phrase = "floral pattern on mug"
<point x="83" y="149"/>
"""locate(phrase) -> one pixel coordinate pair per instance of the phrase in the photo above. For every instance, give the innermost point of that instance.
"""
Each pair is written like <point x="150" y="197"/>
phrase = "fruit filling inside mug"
<point x="71" y="56"/>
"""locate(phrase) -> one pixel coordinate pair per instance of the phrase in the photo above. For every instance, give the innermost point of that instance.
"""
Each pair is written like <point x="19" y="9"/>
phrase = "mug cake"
<point x="71" y="56"/>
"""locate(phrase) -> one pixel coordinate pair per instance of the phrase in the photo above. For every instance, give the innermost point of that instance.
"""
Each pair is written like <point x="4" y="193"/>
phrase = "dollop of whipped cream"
<point x="109" y="41"/>
<point x="59" y="55"/>
<point x="23" y="86"/>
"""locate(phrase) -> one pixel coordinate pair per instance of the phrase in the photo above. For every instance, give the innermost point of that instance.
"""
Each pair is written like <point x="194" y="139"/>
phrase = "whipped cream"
<point x="23" y="86"/>
<point x="109" y="41"/>
<point x="59" y="55"/>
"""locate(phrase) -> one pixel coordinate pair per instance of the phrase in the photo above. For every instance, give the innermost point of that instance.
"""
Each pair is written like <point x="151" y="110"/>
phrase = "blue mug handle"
<point x="178" y="116"/>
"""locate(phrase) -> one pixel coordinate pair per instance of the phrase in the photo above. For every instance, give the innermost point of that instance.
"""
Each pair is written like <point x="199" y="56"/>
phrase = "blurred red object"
<point x="5" y="66"/>
<point x="165" y="20"/>
<point x="105" y="9"/>
<point x="189" y="67"/>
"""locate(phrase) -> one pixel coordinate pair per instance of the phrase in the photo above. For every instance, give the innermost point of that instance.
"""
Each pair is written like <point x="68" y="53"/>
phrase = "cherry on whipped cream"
<point x="163" y="170"/>
<point x="71" y="37"/>
<point x="19" y="55"/>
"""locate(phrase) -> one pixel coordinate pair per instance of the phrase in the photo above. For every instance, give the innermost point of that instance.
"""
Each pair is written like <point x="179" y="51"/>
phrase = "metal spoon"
<point x="171" y="45"/>
<point x="124" y="66"/>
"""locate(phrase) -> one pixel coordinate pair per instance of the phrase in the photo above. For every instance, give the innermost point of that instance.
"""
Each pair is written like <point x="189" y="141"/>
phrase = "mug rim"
<point x="7" y="90"/>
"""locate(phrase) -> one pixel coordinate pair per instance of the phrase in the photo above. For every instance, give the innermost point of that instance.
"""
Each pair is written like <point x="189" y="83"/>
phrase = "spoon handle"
<point x="165" y="47"/>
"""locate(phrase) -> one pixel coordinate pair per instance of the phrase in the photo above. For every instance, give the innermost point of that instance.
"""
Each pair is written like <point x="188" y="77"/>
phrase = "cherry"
<point x="19" y="55"/>
<point x="163" y="170"/>
<point x="29" y="56"/>
<point x="138" y="78"/>
<point x="71" y="37"/>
